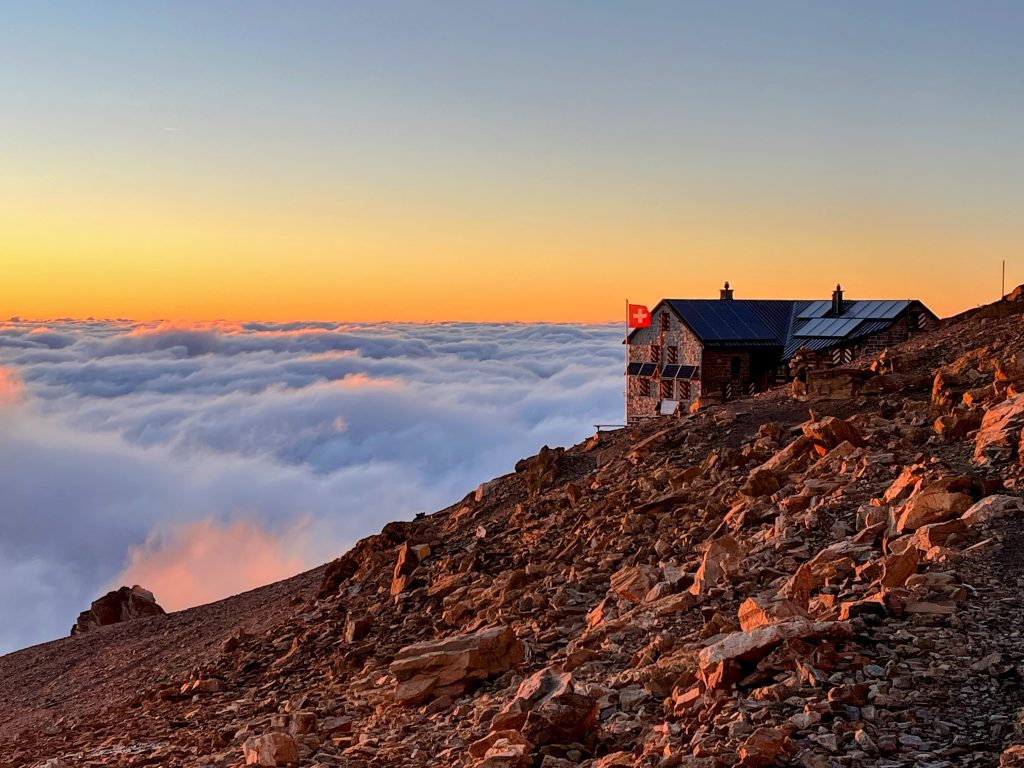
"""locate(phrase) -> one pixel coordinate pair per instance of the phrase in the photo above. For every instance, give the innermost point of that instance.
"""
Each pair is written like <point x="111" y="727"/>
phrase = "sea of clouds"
<point x="201" y="461"/>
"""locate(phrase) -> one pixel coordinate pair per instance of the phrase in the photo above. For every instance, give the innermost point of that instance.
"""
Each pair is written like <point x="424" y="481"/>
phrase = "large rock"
<point x="761" y="482"/>
<point x="124" y="604"/>
<point x="719" y="663"/>
<point x="757" y="612"/>
<point x="763" y="747"/>
<point x="999" y="436"/>
<point x="835" y="383"/>
<point x="832" y="431"/>
<point x="547" y="709"/>
<point x="934" y="503"/>
<point x="991" y="508"/>
<point x="633" y="582"/>
<point x="270" y="749"/>
<point x="447" y="667"/>
<point x="721" y="559"/>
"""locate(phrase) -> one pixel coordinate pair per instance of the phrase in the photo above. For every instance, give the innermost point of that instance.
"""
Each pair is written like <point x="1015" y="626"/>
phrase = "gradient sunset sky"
<point x="503" y="160"/>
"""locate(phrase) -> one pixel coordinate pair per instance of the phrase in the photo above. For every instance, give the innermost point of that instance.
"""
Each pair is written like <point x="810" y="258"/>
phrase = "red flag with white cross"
<point x="638" y="316"/>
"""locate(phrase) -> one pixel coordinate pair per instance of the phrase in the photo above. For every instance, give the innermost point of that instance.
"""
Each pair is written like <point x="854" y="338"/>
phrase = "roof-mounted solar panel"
<point x="828" y="327"/>
<point x="815" y="309"/>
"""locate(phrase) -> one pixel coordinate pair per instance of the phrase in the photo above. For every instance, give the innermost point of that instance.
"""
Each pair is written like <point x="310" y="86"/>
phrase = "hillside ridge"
<point x="768" y="582"/>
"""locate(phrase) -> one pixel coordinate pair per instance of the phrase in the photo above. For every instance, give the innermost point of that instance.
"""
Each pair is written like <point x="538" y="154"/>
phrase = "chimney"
<point x="726" y="292"/>
<point x="837" y="300"/>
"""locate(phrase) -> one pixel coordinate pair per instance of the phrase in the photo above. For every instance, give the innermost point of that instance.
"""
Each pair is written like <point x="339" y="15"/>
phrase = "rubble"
<point x="758" y="583"/>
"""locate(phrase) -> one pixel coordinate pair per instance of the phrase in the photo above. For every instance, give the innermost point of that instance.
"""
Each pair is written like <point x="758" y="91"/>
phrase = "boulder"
<point x="991" y="508"/>
<point x="762" y="482"/>
<point x="719" y="663"/>
<point x="448" y="666"/>
<point x="721" y="559"/>
<point x="270" y="749"/>
<point x="1012" y="757"/>
<point x="958" y="424"/>
<point x="547" y="709"/>
<point x="999" y="436"/>
<point x="934" y="503"/>
<point x="763" y="747"/>
<point x="897" y="568"/>
<point x="757" y="612"/>
<point x="124" y="604"/>
<point x="633" y="582"/>
<point x="836" y="383"/>
<point x="540" y="471"/>
<point x="832" y="431"/>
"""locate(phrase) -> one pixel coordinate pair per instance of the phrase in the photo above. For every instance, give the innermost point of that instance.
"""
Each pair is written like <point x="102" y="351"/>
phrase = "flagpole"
<point x="625" y="378"/>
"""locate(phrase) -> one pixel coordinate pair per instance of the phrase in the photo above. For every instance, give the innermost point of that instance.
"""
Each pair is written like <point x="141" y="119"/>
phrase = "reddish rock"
<point x="897" y="568"/>
<point x="124" y="604"/>
<point x="547" y="709"/>
<point x="632" y="583"/>
<point x="762" y="482"/>
<point x="999" y="436"/>
<point x="270" y="749"/>
<point x="448" y="666"/>
<point x="934" y="503"/>
<point x="721" y="558"/>
<point x="760" y="612"/>
<point x="758" y="643"/>
<point x="763" y="747"/>
<point x="992" y="508"/>
<point x="831" y="432"/>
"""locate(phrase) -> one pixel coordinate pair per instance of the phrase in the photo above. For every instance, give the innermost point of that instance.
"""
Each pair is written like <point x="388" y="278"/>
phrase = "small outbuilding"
<point x="702" y="350"/>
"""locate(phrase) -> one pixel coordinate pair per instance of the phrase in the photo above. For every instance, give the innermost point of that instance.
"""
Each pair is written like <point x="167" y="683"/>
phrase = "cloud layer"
<point x="205" y="460"/>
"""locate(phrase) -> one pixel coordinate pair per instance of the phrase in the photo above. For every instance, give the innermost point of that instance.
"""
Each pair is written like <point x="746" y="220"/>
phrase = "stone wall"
<point x="652" y="345"/>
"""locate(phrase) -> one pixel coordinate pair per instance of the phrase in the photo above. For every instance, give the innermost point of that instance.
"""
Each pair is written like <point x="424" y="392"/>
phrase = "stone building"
<point x="700" y="350"/>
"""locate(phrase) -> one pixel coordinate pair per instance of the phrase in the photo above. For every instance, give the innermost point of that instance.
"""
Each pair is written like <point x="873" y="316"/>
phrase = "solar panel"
<point x="815" y="309"/>
<point x="670" y="371"/>
<point x="829" y="327"/>
<point x="686" y="371"/>
<point x="647" y="369"/>
<point x="881" y="310"/>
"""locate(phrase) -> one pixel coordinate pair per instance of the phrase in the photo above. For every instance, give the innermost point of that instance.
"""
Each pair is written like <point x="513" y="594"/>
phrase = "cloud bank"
<point x="203" y="460"/>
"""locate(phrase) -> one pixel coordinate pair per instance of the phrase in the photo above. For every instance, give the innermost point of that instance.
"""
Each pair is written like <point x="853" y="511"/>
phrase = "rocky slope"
<point x="826" y="583"/>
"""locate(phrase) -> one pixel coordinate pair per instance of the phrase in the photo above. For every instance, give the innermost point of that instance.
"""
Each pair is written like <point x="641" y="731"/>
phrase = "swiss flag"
<point x="638" y="316"/>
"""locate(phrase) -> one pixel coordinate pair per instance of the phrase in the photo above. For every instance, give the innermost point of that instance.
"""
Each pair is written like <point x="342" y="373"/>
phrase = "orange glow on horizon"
<point x="138" y="260"/>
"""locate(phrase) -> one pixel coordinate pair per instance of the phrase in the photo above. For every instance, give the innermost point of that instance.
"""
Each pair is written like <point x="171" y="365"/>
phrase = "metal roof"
<point x="787" y="325"/>
<point x="811" y="345"/>
<point x="735" y="320"/>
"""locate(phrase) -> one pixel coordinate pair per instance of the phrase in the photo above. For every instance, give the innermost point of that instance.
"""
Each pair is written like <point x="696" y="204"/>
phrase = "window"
<point x="655" y="353"/>
<point x="684" y="390"/>
<point x="666" y="389"/>
<point x="663" y="320"/>
<point x="673" y="355"/>
<point x="734" y="367"/>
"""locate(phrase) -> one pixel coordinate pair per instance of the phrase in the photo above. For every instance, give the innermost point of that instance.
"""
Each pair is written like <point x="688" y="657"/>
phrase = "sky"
<point x="412" y="161"/>
<point x="204" y="460"/>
